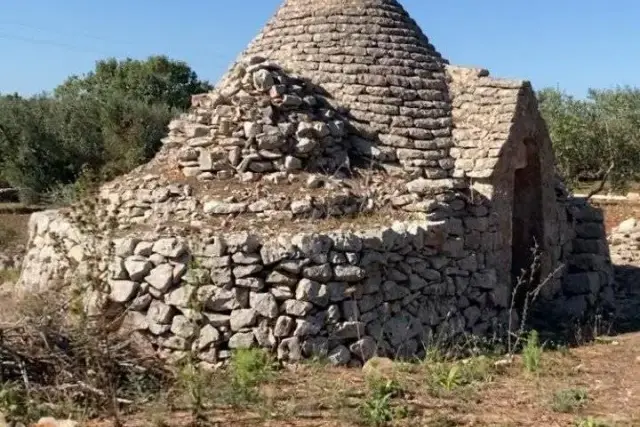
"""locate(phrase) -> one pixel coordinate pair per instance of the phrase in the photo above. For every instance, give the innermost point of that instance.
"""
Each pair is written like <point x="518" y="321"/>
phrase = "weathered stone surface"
<point x="124" y="247"/>
<point x="123" y="290"/>
<point x="183" y="327"/>
<point x="137" y="267"/>
<point x="364" y="349"/>
<point x="339" y="356"/>
<point x="160" y="313"/>
<point x="216" y="207"/>
<point x="272" y="253"/>
<point x="227" y="299"/>
<point x="181" y="297"/>
<point x="314" y="292"/>
<point x="242" y="340"/>
<point x="243" y="318"/>
<point x="297" y="308"/>
<point x="319" y="273"/>
<point x="208" y="336"/>
<point x="290" y="349"/>
<point x="283" y="327"/>
<point x="349" y="330"/>
<point x="348" y="273"/>
<point x="264" y="335"/>
<point x="161" y="277"/>
<point x="169" y="247"/>
<point x="264" y="304"/>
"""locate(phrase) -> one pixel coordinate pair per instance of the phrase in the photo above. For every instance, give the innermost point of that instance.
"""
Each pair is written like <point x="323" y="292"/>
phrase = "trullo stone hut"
<point x="343" y="191"/>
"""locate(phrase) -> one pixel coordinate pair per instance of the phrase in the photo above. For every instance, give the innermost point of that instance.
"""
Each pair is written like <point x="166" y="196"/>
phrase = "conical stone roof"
<point x="374" y="60"/>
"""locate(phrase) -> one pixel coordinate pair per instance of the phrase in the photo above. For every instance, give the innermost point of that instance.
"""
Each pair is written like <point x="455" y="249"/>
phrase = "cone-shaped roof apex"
<point x="372" y="57"/>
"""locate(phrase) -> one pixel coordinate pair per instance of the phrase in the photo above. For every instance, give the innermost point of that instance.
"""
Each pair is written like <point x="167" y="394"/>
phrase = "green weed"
<point x="446" y="377"/>
<point x="532" y="352"/>
<point x="11" y="275"/>
<point x="569" y="400"/>
<point x="249" y="368"/>
<point x="591" y="422"/>
<point x="377" y="410"/>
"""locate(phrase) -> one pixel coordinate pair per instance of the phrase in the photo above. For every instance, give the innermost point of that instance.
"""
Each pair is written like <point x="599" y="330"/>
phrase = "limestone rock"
<point x="242" y="340"/>
<point x="183" y="327"/>
<point x="339" y="356"/>
<point x="379" y="367"/>
<point x="123" y="290"/>
<point x="169" y="247"/>
<point x="283" y="327"/>
<point x="364" y="348"/>
<point x="242" y="318"/>
<point x="160" y="313"/>
<point x="226" y="300"/>
<point x="314" y="292"/>
<point x="208" y="335"/>
<point x="161" y="277"/>
<point x="264" y="304"/>
<point x="348" y="273"/>
<point x="290" y="349"/>
<point x="297" y="308"/>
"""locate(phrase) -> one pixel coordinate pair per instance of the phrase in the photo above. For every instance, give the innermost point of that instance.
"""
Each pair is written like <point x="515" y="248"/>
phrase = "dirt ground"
<point x="605" y="374"/>
<point x="13" y="230"/>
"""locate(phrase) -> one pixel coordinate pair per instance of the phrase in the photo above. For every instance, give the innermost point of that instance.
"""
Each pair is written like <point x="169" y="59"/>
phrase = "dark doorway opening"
<point x="527" y="224"/>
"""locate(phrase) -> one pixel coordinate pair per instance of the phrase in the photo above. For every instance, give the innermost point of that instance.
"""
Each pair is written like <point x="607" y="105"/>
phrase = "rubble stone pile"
<point x="262" y="121"/>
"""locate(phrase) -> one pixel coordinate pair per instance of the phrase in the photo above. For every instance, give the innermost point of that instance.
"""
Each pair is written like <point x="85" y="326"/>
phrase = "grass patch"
<point x="591" y="422"/>
<point x="445" y="378"/>
<point x="377" y="410"/>
<point x="7" y="236"/>
<point x="249" y="368"/>
<point x="569" y="400"/>
<point x="532" y="353"/>
<point x="11" y="275"/>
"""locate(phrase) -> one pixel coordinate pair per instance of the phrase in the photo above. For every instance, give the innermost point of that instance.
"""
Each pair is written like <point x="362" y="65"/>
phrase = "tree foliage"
<point x="590" y="135"/>
<point x="104" y="123"/>
<point x="158" y="80"/>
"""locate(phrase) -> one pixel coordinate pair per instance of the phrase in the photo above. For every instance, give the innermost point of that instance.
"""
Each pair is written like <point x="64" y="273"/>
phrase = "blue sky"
<point x="573" y="44"/>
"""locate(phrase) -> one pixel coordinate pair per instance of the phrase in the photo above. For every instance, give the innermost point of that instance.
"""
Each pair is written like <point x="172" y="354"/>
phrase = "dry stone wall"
<point x="583" y="292"/>
<point x="484" y="115"/>
<point x="340" y="295"/>
<point x="345" y="295"/>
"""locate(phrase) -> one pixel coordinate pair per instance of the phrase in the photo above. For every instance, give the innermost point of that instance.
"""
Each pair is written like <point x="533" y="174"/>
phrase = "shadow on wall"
<point x="627" y="299"/>
<point x="532" y="209"/>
